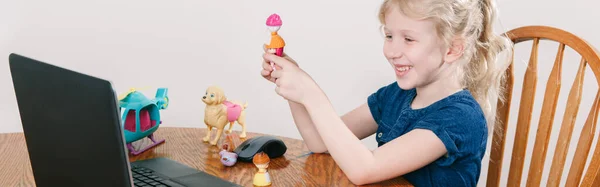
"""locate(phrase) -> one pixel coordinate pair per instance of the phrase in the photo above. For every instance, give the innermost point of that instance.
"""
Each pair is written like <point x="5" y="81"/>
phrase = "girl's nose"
<point x="394" y="50"/>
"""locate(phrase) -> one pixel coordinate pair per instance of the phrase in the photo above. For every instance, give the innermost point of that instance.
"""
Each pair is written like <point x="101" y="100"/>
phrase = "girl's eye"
<point x="211" y="95"/>
<point x="388" y="36"/>
<point x="409" y="39"/>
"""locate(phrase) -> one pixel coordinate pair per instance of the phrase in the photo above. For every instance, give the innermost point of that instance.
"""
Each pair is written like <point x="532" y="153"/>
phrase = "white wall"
<point x="189" y="45"/>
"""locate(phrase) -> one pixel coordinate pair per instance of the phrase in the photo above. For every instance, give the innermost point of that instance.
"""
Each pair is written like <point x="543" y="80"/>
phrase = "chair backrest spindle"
<point x="566" y="130"/>
<point x="576" y="175"/>
<point x="584" y="145"/>
<point x="546" y="120"/>
<point x="524" y="119"/>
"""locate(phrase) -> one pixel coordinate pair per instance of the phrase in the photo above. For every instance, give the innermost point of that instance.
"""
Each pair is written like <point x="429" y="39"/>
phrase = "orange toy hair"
<point x="261" y="158"/>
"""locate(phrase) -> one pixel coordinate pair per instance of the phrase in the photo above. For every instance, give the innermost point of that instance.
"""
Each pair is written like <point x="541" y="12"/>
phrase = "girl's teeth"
<point x="403" y="68"/>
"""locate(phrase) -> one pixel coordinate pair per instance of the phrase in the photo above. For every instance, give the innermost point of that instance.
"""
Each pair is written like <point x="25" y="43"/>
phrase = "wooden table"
<point x="185" y="145"/>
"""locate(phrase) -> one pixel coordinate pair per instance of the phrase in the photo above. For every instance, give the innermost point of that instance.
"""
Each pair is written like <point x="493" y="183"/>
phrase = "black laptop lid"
<point x="71" y="126"/>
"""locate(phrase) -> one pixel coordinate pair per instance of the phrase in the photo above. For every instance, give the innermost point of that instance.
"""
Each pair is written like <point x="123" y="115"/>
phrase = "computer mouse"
<point x="270" y="145"/>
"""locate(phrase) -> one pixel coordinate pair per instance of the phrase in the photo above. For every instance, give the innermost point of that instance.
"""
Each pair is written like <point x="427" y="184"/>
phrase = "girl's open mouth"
<point x="401" y="70"/>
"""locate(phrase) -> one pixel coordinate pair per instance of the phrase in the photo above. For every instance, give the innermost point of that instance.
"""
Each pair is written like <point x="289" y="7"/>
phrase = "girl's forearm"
<point x="307" y="129"/>
<point x="341" y="143"/>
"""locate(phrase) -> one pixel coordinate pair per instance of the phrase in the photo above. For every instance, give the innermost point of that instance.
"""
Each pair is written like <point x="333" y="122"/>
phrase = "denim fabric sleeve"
<point x="460" y="127"/>
<point x="376" y="101"/>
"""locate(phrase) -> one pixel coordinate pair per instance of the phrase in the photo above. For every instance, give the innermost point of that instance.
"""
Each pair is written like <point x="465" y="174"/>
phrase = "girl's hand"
<point x="292" y="82"/>
<point x="266" y="71"/>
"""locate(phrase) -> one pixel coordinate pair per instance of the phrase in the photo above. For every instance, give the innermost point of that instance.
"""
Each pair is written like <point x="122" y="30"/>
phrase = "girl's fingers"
<point x="276" y="74"/>
<point x="277" y="67"/>
<point x="265" y="73"/>
<point x="267" y="66"/>
<point x="278" y="82"/>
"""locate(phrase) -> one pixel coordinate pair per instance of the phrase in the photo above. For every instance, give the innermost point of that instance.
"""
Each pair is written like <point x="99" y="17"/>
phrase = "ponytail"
<point x="486" y="72"/>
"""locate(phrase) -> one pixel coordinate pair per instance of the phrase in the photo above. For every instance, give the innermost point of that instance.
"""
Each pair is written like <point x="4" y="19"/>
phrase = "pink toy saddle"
<point x="233" y="111"/>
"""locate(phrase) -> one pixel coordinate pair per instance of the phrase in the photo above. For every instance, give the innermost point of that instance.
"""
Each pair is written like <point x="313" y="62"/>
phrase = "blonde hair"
<point x="480" y="71"/>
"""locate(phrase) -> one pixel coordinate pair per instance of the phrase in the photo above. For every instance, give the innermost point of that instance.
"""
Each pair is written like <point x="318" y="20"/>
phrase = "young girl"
<point x="431" y="123"/>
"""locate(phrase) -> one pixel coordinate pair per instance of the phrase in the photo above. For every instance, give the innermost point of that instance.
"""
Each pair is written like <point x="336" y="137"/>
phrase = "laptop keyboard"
<point x="145" y="177"/>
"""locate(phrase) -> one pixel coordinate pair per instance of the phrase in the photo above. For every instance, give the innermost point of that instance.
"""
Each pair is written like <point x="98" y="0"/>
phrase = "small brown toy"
<point x="231" y="141"/>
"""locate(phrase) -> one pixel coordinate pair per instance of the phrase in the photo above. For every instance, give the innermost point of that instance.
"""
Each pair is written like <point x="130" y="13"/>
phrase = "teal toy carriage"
<point x="141" y="117"/>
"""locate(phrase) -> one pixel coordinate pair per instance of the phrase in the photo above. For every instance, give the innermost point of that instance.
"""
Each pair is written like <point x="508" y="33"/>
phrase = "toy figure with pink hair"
<point x="276" y="45"/>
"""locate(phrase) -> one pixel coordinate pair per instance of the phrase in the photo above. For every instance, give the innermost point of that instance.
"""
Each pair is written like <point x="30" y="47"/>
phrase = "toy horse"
<point x="141" y="117"/>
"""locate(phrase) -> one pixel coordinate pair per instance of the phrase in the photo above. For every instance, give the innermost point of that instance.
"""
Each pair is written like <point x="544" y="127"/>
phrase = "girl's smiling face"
<point x="413" y="48"/>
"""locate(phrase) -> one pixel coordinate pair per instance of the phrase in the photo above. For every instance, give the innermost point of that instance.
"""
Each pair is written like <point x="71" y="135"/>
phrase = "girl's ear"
<point x="455" y="50"/>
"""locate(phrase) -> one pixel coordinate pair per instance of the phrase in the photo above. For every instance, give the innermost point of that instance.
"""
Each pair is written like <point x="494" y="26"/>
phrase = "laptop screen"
<point x="71" y="125"/>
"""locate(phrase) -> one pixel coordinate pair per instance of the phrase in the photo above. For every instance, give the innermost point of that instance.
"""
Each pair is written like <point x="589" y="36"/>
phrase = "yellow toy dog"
<point x="219" y="112"/>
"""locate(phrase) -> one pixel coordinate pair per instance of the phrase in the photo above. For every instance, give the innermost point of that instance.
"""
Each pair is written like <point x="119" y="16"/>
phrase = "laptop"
<point x="72" y="128"/>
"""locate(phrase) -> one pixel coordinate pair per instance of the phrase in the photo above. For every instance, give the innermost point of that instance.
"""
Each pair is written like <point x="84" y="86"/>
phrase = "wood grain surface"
<point x="295" y="168"/>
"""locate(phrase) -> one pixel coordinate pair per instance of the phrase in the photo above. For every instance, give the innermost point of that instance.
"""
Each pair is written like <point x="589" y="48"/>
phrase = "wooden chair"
<point x="589" y="56"/>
